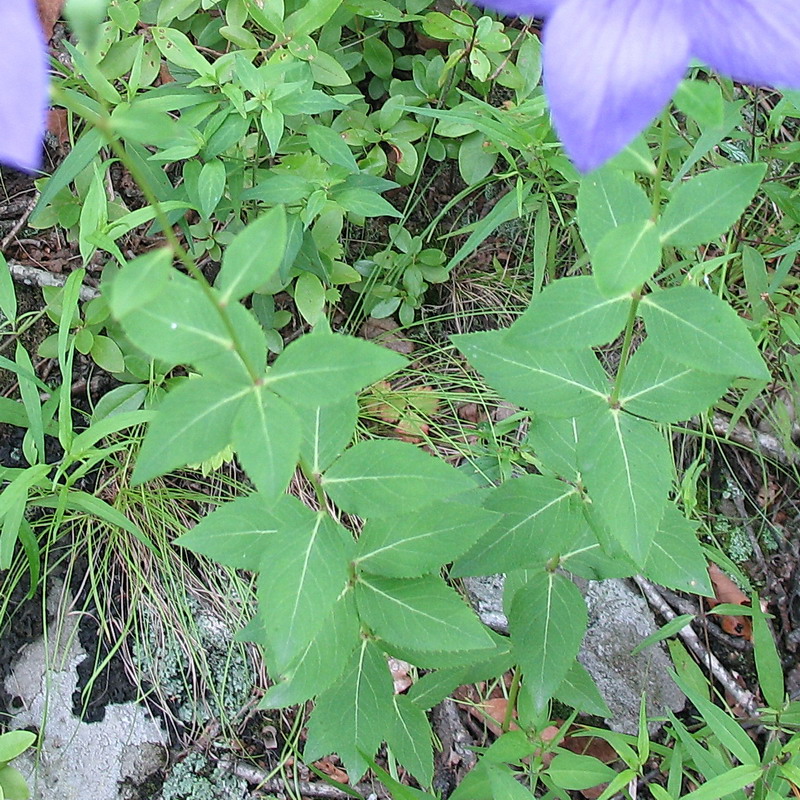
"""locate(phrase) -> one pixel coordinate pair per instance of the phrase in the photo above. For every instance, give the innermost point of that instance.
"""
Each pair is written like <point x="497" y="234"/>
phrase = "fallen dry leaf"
<point x="332" y="770"/>
<point x="726" y="591"/>
<point x="384" y="331"/>
<point x="400" y="676"/>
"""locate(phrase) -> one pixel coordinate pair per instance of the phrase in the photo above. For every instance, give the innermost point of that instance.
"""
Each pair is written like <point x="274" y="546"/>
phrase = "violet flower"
<point x="24" y="85"/>
<point x="610" y="66"/>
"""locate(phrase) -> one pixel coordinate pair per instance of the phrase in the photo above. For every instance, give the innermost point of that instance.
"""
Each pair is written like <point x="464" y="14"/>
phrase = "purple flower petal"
<point x="522" y="8"/>
<point x="752" y="41"/>
<point x="24" y="85"/>
<point x="610" y="66"/>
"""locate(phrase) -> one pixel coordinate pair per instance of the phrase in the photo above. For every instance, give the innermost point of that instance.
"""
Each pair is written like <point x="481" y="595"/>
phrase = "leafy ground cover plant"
<point x="280" y="124"/>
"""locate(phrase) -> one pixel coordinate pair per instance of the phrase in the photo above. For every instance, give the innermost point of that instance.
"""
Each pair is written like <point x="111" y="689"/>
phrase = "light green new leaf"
<point x="562" y="383"/>
<point x="657" y="387"/>
<point x="235" y="534"/>
<point x="707" y="205"/>
<point x="696" y="328"/>
<point x="421" y="613"/>
<point x="541" y="516"/>
<point x="410" y="738"/>
<point x="626" y="257"/>
<point x="323" y="368"/>
<point x="303" y="572"/>
<point x="627" y="468"/>
<point x="350" y="717"/>
<point x="547" y="622"/>
<point x="570" y="314"/>
<point x="676" y="559"/>
<point x="381" y="477"/>
<point x="312" y="15"/>
<point x="326" y="431"/>
<point x="579" y="691"/>
<point x="266" y="437"/>
<point x="608" y="199"/>
<point x="194" y="422"/>
<point x="253" y="257"/>
<point x="407" y="546"/>
<point x="575" y="772"/>
<point x="321" y="663"/>
<point x="138" y="282"/>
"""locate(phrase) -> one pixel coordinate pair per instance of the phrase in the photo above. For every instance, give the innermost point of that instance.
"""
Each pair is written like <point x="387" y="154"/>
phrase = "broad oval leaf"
<point x="706" y="206"/>
<point x="381" y="477"/>
<point x="562" y="383"/>
<point x="607" y="199"/>
<point x="407" y="546"/>
<point x="570" y="314"/>
<point x="254" y="256"/>
<point x="266" y="437"/>
<point x="540" y="517"/>
<point x="574" y="771"/>
<point x="194" y="422"/>
<point x="627" y="467"/>
<point x="696" y="328"/>
<point x="421" y="613"/>
<point x="235" y="534"/>
<point x="626" y="257"/>
<point x="350" y="717"/>
<point x="304" y="570"/>
<point x="657" y="387"/>
<point x="547" y="621"/>
<point x="323" y="368"/>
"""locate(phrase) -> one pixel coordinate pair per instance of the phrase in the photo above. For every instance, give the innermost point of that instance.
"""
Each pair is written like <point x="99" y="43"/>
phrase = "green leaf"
<point x="321" y="663"/>
<point x="13" y="785"/>
<point x="266" y="437"/>
<point x="321" y="368"/>
<point x="676" y="559"/>
<point x="608" y="199"/>
<point x="14" y="743"/>
<point x="706" y="206"/>
<point x="696" y="328"/>
<point x="727" y="783"/>
<point x="626" y="257"/>
<point x="570" y="314"/>
<point x="329" y="145"/>
<point x="139" y="282"/>
<point x="382" y="477"/>
<point x="627" y="468"/>
<point x="399" y="791"/>
<point x="106" y="354"/>
<point x="657" y="387"/>
<point x="350" y="717"/>
<point x="365" y="203"/>
<point x="304" y="570"/>
<point x="235" y="534"/>
<point x="181" y="325"/>
<point x="547" y="622"/>
<point x="421" y="613"/>
<point x="674" y="626"/>
<point x="540" y="518"/>
<point x="177" y="48"/>
<point x="407" y="546"/>
<point x="561" y="383"/>
<point x="326" y="431"/>
<point x="312" y="15"/>
<point x="578" y="691"/>
<point x="194" y="422"/>
<point x="210" y="186"/>
<point x="254" y="256"/>
<point x="555" y="442"/>
<point x="8" y="295"/>
<point x="410" y="737"/>
<point x="576" y="772"/>
<point x="768" y="662"/>
<point x="724" y="726"/>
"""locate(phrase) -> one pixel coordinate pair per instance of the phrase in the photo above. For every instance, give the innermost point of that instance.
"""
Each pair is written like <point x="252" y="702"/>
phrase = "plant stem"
<point x="660" y="165"/>
<point x="626" y="347"/>
<point x="513" y="693"/>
